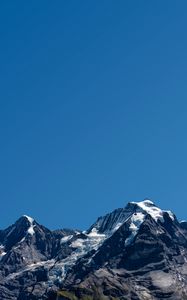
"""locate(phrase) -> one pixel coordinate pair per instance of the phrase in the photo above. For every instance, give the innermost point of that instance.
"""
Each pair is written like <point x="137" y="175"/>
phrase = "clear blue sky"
<point x="93" y="108"/>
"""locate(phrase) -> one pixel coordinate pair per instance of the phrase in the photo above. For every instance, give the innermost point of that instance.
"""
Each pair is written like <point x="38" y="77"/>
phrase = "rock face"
<point x="136" y="252"/>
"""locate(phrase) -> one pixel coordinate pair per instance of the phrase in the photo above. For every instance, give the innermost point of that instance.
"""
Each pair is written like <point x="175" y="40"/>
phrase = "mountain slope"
<point x="135" y="252"/>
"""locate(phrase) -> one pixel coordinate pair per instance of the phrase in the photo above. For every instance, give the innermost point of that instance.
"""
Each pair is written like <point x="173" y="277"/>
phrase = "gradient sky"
<point x="93" y="108"/>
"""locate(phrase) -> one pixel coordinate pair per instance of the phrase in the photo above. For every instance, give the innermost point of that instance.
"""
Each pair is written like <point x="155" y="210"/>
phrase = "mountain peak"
<point x="144" y="203"/>
<point x="30" y="219"/>
<point x="150" y="208"/>
<point x="27" y="223"/>
<point x="31" y="222"/>
<point x="112" y="221"/>
<point x="154" y="211"/>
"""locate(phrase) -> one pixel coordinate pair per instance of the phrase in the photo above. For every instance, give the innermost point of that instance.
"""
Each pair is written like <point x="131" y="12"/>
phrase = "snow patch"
<point x="31" y="220"/>
<point x="31" y="267"/>
<point x="170" y="214"/>
<point x="118" y="225"/>
<point x="65" y="239"/>
<point x="77" y="232"/>
<point x="77" y="244"/>
<point x="2" y="252"/>
<point x="31" y="228"/>
<point x="91" y="241"/>
<point x="161" y="279"/>
<point x="136" y="220"/>
<point x="94" y="233"/>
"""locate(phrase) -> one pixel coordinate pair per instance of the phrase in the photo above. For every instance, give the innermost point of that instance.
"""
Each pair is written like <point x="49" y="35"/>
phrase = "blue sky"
<point x="93" y="108"/>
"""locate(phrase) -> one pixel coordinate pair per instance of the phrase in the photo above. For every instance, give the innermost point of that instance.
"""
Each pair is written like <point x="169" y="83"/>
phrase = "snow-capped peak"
<point x="132" y="215"/>
<point x="150" y="208"/>
<point x="111" y="222"/>
<point x="31" y="221"/>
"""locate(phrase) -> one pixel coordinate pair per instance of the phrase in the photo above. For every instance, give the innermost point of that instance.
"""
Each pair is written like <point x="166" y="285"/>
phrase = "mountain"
<point x="135" y="252"/>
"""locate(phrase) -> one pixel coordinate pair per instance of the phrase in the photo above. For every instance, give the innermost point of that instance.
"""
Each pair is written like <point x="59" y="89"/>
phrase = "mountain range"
<point x="138" y="252"/>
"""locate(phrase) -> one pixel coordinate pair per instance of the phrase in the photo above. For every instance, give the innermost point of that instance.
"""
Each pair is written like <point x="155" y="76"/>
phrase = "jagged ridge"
<point x="136" y="252"/>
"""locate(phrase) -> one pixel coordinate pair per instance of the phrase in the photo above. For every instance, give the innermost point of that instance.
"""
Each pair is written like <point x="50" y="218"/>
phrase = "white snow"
<point x="33" y="266"/>
<point x="2" y="252"/>
<point x="136" y="220"/>
<point x="31" y="220"/>
<point x="162" y="279"/>
<point x="77" y="232"/>
<point x="170" y="214"/>
<point x="31" y="228"/>
<point x="79" y="243"/>
<point x="65" y="239"/>
<point x="92" y="241"/>
<point x="118" y="225"/>
<point x="81" y="246"/>
<point x="155" y="212"/>
<point x="149" y="207"/>
<point x="94" y="233"/>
